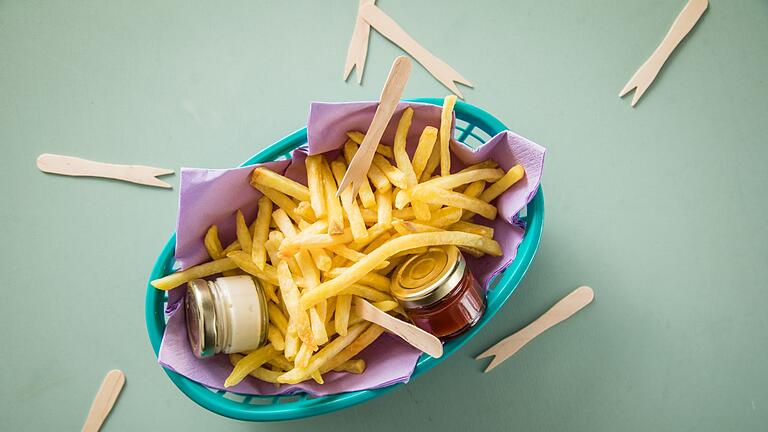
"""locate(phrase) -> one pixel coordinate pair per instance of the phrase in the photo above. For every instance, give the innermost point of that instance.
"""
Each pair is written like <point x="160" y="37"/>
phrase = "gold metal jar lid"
<point x="426" y="278"/>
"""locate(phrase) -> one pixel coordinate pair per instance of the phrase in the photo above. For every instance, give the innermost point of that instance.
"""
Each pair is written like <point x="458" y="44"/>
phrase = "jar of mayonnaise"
<point x="226" y="315"/>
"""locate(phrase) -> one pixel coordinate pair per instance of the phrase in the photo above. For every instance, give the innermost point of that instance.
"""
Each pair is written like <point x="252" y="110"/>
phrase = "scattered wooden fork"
<point x="72" y="166"/>
<point x="643" y="78"/>
<point x="562" y="310"/>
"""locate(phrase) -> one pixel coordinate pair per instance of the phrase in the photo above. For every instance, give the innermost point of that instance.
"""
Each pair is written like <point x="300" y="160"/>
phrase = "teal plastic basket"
<point x="473" y="127"/>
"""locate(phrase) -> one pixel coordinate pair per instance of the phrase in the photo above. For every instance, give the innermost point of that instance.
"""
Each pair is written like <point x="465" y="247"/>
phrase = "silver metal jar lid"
<point x="226" y="315"/>
<point x="200" y="312"/>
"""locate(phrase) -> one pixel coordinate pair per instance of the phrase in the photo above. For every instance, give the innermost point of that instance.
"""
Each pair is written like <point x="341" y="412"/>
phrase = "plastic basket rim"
<point x="507" y="282"/>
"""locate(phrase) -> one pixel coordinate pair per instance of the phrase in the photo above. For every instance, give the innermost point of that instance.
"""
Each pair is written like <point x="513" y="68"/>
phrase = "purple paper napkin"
<point x="213" y="196"/>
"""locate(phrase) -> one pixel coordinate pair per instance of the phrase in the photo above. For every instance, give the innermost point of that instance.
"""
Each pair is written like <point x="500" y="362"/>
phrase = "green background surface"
<point x="661" y="208"/>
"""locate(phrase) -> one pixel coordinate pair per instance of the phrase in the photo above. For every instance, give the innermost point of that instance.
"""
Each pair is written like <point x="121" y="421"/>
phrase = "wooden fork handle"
<point x="683" y="24"/>
<point x="104" y="400"/>
<point x="415" y="336"/>
<point x="562" y="310"/>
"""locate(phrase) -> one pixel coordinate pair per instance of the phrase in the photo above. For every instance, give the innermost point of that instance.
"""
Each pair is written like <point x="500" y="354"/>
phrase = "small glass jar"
<point x="439" y="292"/>
<point x="226" y="315"/>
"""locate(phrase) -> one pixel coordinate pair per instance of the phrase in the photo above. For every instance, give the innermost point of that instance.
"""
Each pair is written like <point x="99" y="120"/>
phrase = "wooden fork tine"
<point x="358" y="45"/>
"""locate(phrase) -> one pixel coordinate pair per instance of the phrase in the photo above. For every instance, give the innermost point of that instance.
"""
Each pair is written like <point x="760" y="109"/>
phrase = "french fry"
<point x="277" y="318"/>
<point x="386" y="305"/>
<point x="234" y="246"/>
<point x="281" y="200"/>
<point x="332" y="204"/>
<point x="393" y="262"/>
<point x="316" y="227"/>
<point x="349" y="203"/>
<point x="297" y="375"/>
<point x="298" y="318"/>
<point x="344" y="253"/>
<point x="373" y="232"/>
<point x="343" y="307"/>
<point x="421" y="210"/>
<point x="282" y="363"/>
<point x="380" y="240"/>
<point x="357" y="270"/>
<point x="267" y="375"/>
<point x="424" y="150"/>
<point x="394" y="175"/>
<point x="365" y="292"/>
<point x="474" y="189"/>
<point x="196" y="272"/>
<point x="402" y="198"/>
<point x="213" y="244"/>
<point x="315" y="185"/>
<point x="432" y="163"/>
<point x="444" y="197"/>
<point x="318" y="325"/>
<point x="408" y="227"/>
<point x="261" y="232"/>
<point x="352" y="349"/>
<point x="444" y="217"/>
<point x="321" y="259"/>
<point x="244" y="262"/>
<point x="373" y="279"/>
<point x="330" y="308"/>
<point x="291" y="246"/>
<point x="351" y="366"/>
<point x="249" y="363"/>
<point x="275" y="338"/>
<point x="303" y="259"/>
<point x="490" y="163"/>
<point x="347" y="253"/>
<point x="474" y="252"/>
<point x="382" y="149"/>
<point x="461" y="178"/>
<point x="317" y="377"/>
<point x="365" y="192"/>
<point x="384" y="202"/>
<point x="304" y="211"/>
<point x="401" y="156"/>
<point x="473" y="228"/>
<point x="416" y="251"/>
<point x="243" y="234"/>
<point x="366" y="195"/>
<point x="292" y="343"/>
<point x="446" y="131"/>
<point x="372" y="217"/>
<point x="511" y="177"/>
<point x="270" y="291"/>
<point x="265" y="177"/>
<point x="303" y="356"/>
<point x="377" y="177"/>
<point x="272" y="245"/>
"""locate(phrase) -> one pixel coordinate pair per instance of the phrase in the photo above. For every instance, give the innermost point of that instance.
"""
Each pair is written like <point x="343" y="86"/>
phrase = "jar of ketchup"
<point x="439" y="292"/>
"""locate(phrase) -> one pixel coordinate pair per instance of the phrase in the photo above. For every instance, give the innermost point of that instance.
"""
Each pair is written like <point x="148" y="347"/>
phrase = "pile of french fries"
<point x="312" y="251"/>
